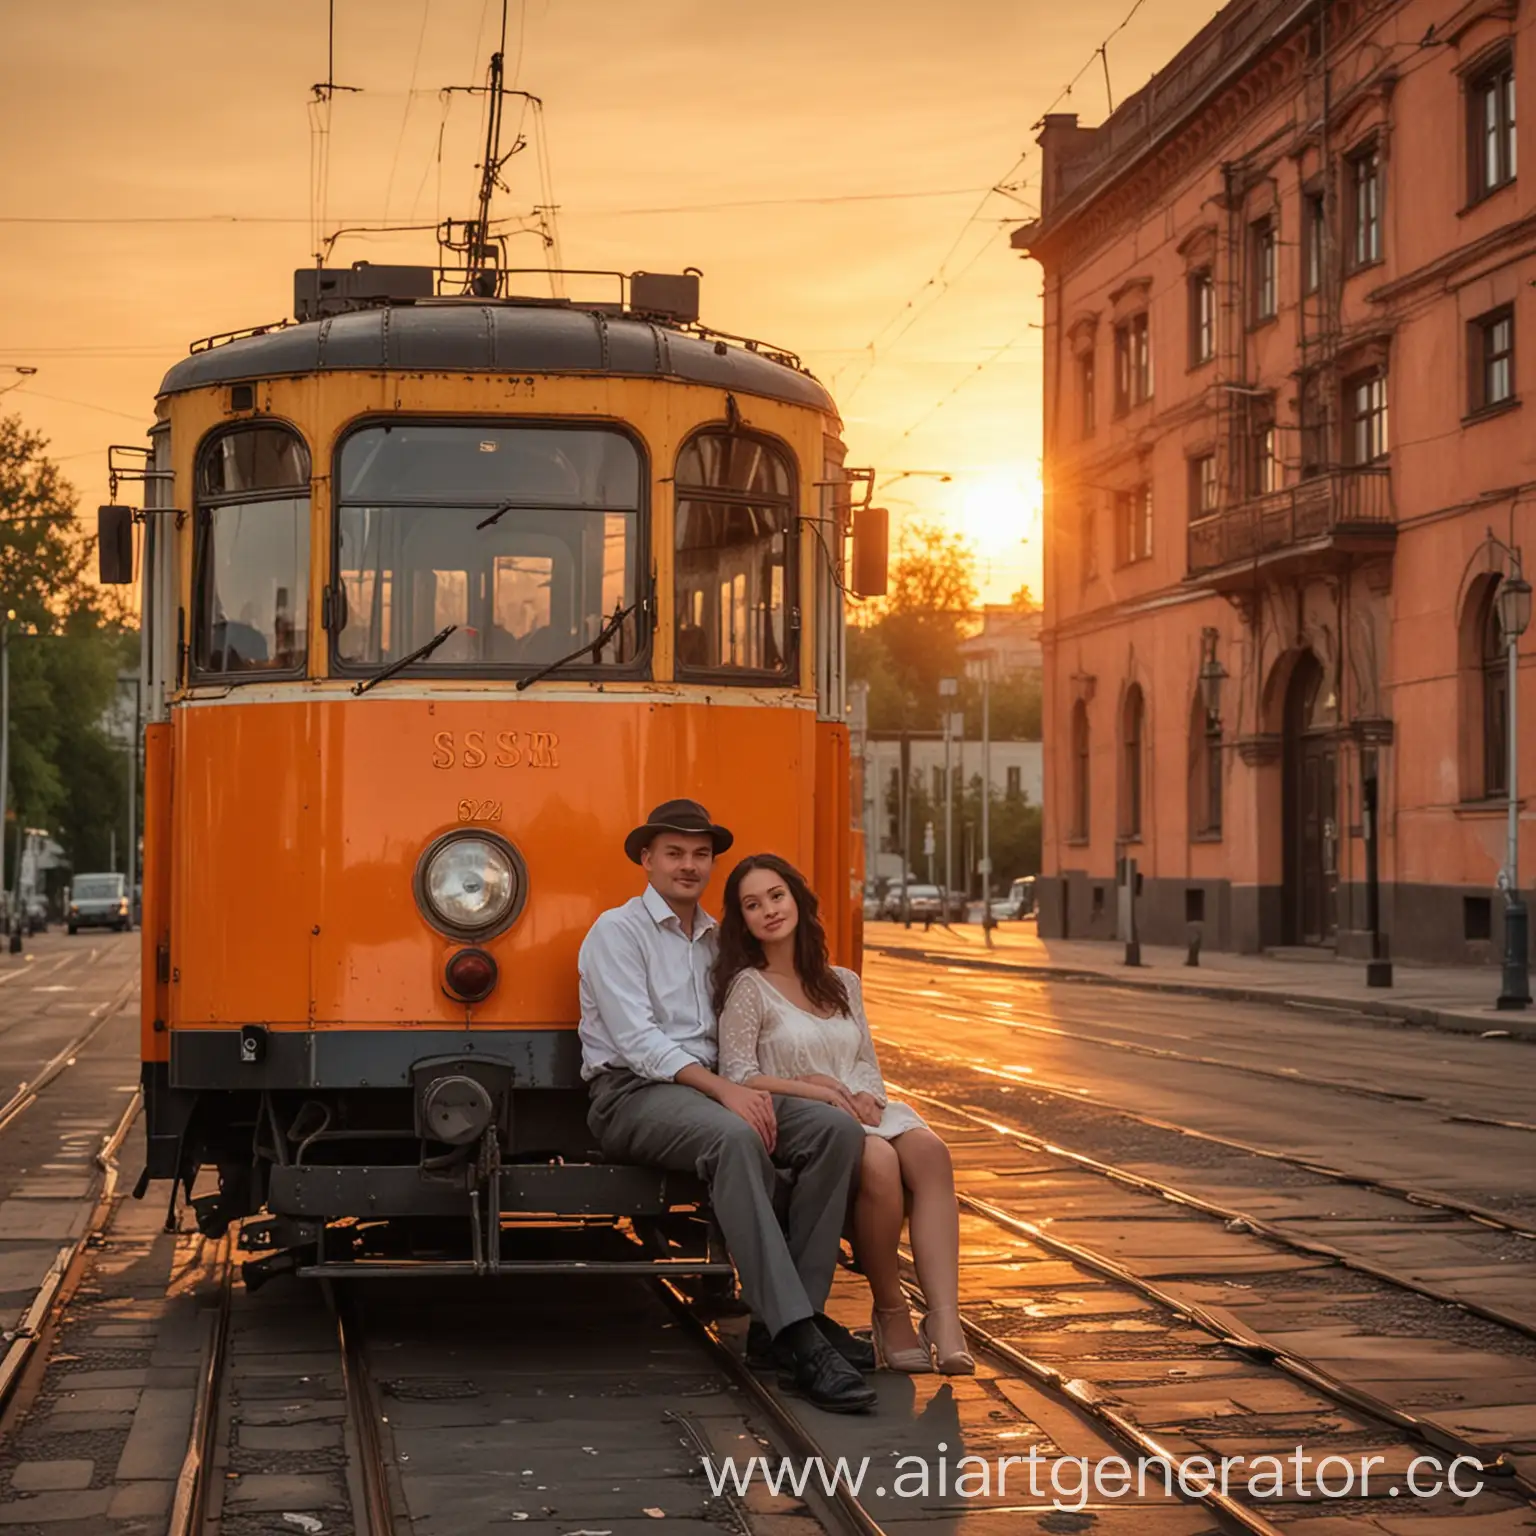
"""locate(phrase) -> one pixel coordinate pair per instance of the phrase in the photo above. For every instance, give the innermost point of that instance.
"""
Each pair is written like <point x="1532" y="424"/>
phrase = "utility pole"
<point x="948" y="688"/>
<point x="986" y="796"/>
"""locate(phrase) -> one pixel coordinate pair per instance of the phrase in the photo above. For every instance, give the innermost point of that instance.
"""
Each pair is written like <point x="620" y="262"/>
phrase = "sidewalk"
<point x="1454" y="998"/>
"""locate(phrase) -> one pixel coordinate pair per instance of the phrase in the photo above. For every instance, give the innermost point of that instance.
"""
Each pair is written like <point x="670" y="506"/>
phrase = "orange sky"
<point x="188" y="110"/>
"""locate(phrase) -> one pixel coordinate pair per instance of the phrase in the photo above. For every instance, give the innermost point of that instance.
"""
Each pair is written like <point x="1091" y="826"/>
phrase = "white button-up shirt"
<point x="645" y="1001"/>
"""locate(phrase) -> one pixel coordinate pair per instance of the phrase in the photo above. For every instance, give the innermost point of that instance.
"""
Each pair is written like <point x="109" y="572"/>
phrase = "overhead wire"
<point x="830" y="199"/>
<point x="938" y="281"/>
<point x="1101" y="52"/>
<point x="86" y="405"/>
<point x="969" y="378"/>
<point x="410" y="96"/>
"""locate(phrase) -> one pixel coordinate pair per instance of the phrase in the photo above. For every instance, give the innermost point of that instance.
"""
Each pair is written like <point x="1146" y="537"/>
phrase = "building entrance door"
<point x="1311" y="806"/>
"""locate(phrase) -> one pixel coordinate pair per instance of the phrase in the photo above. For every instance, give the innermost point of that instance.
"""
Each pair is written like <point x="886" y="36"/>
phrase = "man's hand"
<point x="755" y="1107"/>
<point x="867" y="1108"/>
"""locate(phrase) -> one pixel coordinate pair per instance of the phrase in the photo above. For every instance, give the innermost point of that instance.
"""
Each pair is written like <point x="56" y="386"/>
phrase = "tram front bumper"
<point x="559" y="1191"/>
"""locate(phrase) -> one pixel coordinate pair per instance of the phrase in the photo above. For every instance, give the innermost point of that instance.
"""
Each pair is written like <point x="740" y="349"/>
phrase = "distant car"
<point x="871" y="904"/>
<point x="924" y="902"/>
<point x="99" y="901"/>
<point x="1019" y="902"/>
<point x="36" y="909"/>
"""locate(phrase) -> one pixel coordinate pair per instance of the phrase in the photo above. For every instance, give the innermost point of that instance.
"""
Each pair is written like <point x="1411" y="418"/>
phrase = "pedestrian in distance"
<point x="793" y="1025"/>
<point x="649" y="1054"/>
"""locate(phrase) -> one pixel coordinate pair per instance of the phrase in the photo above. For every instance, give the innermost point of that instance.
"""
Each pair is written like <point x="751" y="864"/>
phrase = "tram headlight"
<point x="470" y="884"/>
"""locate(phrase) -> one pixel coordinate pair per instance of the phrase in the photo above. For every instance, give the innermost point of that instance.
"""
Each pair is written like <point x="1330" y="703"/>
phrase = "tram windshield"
<point x="524" y="537"/>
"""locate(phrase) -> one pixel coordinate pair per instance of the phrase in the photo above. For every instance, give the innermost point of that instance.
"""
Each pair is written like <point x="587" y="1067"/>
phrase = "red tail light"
<point x="470" y="976"/>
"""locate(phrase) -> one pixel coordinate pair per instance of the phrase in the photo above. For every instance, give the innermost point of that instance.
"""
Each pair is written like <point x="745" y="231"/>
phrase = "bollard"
<point x="1196" y="934"/>
<point x="16" y="940"/>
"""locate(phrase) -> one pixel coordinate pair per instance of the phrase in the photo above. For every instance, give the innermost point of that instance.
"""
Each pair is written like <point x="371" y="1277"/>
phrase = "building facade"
<point x="1285" y="291"/>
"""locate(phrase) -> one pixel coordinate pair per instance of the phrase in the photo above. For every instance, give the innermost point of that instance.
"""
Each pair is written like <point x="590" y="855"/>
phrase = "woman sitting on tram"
<point x="791" y="1023"/>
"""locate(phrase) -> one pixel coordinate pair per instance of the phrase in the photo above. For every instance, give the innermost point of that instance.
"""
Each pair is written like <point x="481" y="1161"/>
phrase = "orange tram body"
<point x="614" y="544"/>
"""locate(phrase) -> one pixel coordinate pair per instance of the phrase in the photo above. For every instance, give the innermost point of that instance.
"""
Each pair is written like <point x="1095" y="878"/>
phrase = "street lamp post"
<point x="1513" y="602"/>
<point x="5" y="754"/>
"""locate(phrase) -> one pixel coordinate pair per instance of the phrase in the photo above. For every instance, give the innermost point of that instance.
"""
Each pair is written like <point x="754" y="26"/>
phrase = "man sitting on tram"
<point x="648" y="1038"/>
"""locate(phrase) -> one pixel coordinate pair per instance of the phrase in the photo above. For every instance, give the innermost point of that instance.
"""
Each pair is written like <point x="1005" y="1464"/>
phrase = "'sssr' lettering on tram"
<point x="503" y="749"/>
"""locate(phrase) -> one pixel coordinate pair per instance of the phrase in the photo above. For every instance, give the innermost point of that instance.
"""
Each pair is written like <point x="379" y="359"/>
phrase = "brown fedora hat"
<point x="676" y="816"/>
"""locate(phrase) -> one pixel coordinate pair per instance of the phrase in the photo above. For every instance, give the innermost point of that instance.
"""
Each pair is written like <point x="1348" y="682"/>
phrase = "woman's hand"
<point x="830" y="1092"/>
<point x="867" y="1108"/>
<point x="822" y="1081"/>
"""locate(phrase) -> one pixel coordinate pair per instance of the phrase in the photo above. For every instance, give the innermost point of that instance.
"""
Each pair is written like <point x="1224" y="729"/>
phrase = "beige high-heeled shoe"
<point x="960" y="1363"/>
<point x="915" y="1362"/>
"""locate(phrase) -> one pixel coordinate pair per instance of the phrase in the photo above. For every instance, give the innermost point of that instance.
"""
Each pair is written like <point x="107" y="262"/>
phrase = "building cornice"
<point x="1453" y="262"/>
<point x="1270" y="60"/>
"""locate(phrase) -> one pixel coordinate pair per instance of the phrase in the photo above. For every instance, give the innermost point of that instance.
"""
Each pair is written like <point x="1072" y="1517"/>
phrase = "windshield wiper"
<point x="592" y="647"/>
<point x="419" y="654"/>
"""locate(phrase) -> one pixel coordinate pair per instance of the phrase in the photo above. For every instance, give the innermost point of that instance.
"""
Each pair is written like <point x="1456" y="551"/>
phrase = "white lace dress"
<point x="763" y="1033"/>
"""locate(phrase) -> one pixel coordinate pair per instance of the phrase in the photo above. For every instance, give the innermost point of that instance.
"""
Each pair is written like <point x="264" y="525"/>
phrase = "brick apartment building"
<point x="1287" y="296"/>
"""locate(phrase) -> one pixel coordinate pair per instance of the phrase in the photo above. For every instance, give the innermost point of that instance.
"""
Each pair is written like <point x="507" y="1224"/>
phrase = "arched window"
<point x="1080" y="772"/>
<point x="252" y="553"/>
<point x="1132" y="726"/>
<point x="732" y="591"/>
<point x="1495" y="691"/>
<point x="1204" y="771"/>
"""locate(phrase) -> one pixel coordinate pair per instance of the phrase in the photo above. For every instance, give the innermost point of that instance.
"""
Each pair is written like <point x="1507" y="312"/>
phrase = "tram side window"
<point x="523" y="538"/>
<point x="735" y="521"/>
<point x="252" y="554"/>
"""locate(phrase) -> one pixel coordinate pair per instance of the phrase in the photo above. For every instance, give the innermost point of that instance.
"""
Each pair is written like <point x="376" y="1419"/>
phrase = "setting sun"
<point x="999" y="512"/>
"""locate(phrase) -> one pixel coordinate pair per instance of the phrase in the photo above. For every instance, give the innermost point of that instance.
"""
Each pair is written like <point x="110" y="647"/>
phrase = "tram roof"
<point x="466" y="336"/>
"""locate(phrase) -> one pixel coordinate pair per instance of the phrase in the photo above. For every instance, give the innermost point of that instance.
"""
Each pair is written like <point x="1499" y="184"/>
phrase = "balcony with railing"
<point x="1341" y="512"/>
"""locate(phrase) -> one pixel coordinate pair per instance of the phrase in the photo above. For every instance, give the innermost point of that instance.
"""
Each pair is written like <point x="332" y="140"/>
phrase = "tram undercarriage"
<point x="478" y="1163"/>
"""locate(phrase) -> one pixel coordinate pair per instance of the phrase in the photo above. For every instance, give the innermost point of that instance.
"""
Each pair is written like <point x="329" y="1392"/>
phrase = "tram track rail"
<point x="850" y="1514"/>
<point x="199" y="1491"/>
<point x="1483" y="1215"/>
<point x="1227" y="1215"/>
<point x="1273" y="1231"/>
<point x="195" y="1479"/>
<point x="63" y="1275"/>
<point x="1252" y="1344"/>
<point x="27" y="1093"/>
<point x="373" y="1501"/>
<point x="1077" y="1030"/>
<point x="1480" y="1214"/>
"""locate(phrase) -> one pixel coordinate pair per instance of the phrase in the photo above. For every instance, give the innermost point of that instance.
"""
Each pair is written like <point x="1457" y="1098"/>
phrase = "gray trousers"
<point x="784" y="1278"/>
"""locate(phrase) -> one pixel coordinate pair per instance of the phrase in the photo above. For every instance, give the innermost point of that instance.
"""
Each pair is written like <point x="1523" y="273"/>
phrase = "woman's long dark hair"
<point x="739" y="951"/>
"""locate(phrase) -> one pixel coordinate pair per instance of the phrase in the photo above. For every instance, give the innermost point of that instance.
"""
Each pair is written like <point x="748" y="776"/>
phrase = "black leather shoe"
<point x="761" y="1355"/>
<point x="859" y="1353"/>
<point x="822" y="1377"/>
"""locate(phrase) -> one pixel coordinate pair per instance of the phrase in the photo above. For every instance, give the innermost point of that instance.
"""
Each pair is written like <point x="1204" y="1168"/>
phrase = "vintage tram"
<point x="439" y="596"/>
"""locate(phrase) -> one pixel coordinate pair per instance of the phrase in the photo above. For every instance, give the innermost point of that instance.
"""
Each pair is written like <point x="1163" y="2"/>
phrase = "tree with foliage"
<point x="67" y="644"/>
<point x="1016" y="833"/>
<point x="913" y="639"/>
